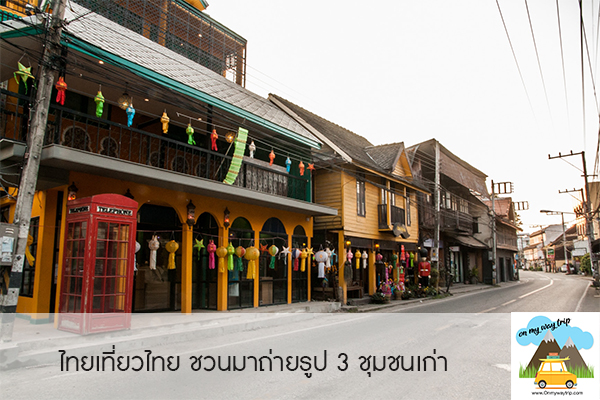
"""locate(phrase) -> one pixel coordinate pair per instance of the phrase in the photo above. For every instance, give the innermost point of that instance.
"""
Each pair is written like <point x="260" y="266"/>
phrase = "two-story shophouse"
<point x="372" y="189"/>
<point x="462" y="217"/>
<point x="506" y="239"/>
<point x="154" y="111"/>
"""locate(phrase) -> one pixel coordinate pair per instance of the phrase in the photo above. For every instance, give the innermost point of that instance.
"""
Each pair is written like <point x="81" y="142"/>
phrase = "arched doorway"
<point x="240" y="290"/>
<point x="299" y="278"/>
<point x="273" y="286"/>
<point x="204" y="279"/>
<point x="157" y="289"/>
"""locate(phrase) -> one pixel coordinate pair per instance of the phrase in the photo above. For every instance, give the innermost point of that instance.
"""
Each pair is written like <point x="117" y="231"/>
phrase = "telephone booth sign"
<point x="98" y="264"/>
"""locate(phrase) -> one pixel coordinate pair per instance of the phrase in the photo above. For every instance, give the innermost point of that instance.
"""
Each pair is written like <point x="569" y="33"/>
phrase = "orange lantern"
<point x="303" y="257"/>
<point x="222" y="253"/>
<point x="357" y="257"/>
<point x="252" y="254"/>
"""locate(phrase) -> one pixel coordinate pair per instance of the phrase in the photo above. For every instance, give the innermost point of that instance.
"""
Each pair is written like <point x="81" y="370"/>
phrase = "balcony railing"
<point x="456" y="221"/>
<point x="81" y="131"/>
<point x="397" y="215"/>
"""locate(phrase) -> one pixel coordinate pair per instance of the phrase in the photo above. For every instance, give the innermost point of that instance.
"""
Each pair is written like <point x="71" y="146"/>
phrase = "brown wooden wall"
<point x="328" y="192"/>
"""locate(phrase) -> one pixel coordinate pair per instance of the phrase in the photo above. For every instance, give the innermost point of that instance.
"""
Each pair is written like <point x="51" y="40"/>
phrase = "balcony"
<point x="182" y="28"/>
<point x="453" y="220"/>
<point x="397" y="215"/>
<point x="75" y="130"/>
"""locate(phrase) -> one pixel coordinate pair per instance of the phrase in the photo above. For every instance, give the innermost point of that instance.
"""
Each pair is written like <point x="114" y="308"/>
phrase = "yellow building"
<point x="373" y="191"/>
<point x="194" y="153"/>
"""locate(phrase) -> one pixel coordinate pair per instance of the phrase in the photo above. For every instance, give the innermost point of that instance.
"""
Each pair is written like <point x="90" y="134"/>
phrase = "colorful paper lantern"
<point x="273" y="250"/>
<point x="303" y="257"/>
<point x="61" y="87"/>
<point x="288" y="164"/>
<point x="379" y="257"/>
<point x="130" y="111"/>
<point x="364" y="257"/>
<point x="23" y="73"/>
<point x="28" y="255"/>
<point x="212" y="249"/>
<point x="239" y="252"/>
<point x="284" y="254"/>
<point x="171" y="247"/>
<point x="321" y="258"/>
<point x="357" y="256"/>
<point x="301" y="168"/>
<point x="221" y="254"/>
<point x="311" y="167"/>
<point x="296" y="256"/>
<point x="165" y="122"/>
<point x="271" y="157"/>
<point x="154" y="245"/>
<point x="190" y="132"/>
<point x="328" y="260"/>
<point x="262" y="248"/>
<point x="349" y="256"/>
<point x="252" y="254"/>
<point x="252" y="149"/>
<point x="99" y="99"/>
<point x="199" y="246"/>
<point x="230" y="253"/>
<point x="213" y="140"/>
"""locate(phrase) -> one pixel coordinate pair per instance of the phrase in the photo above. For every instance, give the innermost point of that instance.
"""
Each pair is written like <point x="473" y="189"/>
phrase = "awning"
<point x="470" y="242"/>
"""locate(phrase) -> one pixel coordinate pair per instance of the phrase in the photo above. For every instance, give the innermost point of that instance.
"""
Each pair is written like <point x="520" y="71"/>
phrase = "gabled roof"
<point x="382" y="159"/>
<point x="386" y="155"/>
<point x="101" y="38"/>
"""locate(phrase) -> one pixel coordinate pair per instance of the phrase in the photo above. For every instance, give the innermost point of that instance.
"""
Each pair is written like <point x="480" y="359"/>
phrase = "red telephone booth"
<point x="98" y="263"/>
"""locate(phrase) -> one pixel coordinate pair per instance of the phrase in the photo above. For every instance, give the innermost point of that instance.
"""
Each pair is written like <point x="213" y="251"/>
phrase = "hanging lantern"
<point x="213" y="140"/>
<point x="230" y="253"/>
<point x="333" y="258"/>
<point x="288" y="164"/>
<point x="284" y="254"/>
<point x="273" y="250"/>
<point x="61" y="87"/>
<point x="263" y="248"/>
<point x="252" y="149"/>
<point x="23" y="73"/>
<point x="222" y="253"/>
<point x="349" y="257"/>
<point x="303" y="256"/>
<point x="364" y="257"/>
<point x="252" y="254"/>
<point x="271" y="157"/>
<point x="30" y="257"/>
<point x="394" y="260"/>
<point x="311" y="167"/>
<point x="72" y="192"/>
<point x="379" y="257"/>
<point x="412" y="260"/>
<point x="328" y="260"/>
<point x="99" y="99"/>
<point x="130" y="113"/>
<point x="310" y="253"/>
<point x="321" y="258"/>
<point x="212" y="249"/>
<point x="190" y="132"/>
<point x="154" y="245"/>
<point x="301" y="167"/>
<point x="226" y="222"/>
<point x="199" y="246"/>
<point x="138" y="247"/>
<point x="165" y="122"/>
<point x="296" y="256"/>
<point x="171" y="247"/>
<point x="124" y="100"/>
<point x="239" y="252"/>
<point x="230" y="137"/>
<point x="357" y="257"/>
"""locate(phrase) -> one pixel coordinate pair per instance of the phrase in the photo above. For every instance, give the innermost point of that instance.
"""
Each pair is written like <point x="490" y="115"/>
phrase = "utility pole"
<point x="35" y="141"/>
<point x="588" y="209"/>
<point x="494" y="272"/>
<point x="436" y="240"/>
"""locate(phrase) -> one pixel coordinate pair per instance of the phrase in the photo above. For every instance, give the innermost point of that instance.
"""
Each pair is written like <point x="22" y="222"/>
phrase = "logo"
<point x="555" y="354"/>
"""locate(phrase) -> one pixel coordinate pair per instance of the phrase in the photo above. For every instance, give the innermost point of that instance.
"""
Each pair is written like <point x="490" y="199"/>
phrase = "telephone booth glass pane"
<point x="110" y="274"/>
<point x="73" y="268"/>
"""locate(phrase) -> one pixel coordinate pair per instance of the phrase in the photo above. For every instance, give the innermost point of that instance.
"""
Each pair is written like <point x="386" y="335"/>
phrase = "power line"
<point x="562" y="57"/>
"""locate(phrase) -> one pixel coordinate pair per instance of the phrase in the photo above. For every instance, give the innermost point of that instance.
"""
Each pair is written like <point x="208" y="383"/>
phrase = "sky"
<point x="408" y="71"/>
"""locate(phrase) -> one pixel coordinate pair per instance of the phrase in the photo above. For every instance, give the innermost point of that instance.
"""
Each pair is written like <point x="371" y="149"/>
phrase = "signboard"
<point x="580" y="244"/>
<point x="455" y="249"/>
<point x="550" y="252"/>
<point x="578" y="252"/>
<point x="428" y="243"/>
<point x="434" y="255"/>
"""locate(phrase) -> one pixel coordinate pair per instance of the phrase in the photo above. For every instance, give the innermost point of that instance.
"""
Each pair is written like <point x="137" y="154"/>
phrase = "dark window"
<point x="4" y="213"/>
<point x="29" y="270"/>
<point x="476" y="225"/>
<point x="360" y="197"/>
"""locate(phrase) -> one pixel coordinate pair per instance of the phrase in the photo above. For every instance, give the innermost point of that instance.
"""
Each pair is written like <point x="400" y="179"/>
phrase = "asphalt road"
<point x="536" y="292"/>
<point x="471" y="331"/>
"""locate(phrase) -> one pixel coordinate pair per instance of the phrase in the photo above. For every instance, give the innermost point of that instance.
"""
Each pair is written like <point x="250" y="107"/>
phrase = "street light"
<point x="562" y="216"/>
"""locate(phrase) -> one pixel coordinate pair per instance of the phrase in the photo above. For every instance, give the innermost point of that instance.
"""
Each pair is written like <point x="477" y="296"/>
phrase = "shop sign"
<point x="455" y="249"/>
<point x="428" y="243"/>
<point x="434" y="254"/>
<point x="550" y="253"/>
<point x="77" y="210"/>
<point x="115" y="211"/>
<point x="579" y="252"/>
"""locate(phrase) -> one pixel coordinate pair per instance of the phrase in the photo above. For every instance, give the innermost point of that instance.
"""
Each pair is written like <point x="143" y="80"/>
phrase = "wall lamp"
<point x="72" y="192"/>
<point x="226" y="218"/>
<point x="191" y="214"/>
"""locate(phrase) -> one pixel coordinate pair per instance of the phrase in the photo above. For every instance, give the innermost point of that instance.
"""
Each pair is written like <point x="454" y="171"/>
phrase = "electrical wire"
<point x="562" y="58"/>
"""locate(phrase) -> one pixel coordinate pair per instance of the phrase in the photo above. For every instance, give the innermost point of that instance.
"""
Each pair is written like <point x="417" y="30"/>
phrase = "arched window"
<point x="76" y="138"/>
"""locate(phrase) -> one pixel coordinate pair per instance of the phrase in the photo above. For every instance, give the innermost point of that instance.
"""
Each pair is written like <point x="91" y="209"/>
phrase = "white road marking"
<point x="503" y="366"/>
<point x="508" y="302"/>
<point x="537" y="290"/>
<point x="489" y="309"/>
<point x="582" y="297"/>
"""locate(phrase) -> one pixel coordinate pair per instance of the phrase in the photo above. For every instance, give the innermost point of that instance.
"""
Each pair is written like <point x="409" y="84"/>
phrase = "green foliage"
<point x="582" y="372"/>
<point x="586" y="265"/>
<point x="526" y="372"/>
<point x="379" y="298"/>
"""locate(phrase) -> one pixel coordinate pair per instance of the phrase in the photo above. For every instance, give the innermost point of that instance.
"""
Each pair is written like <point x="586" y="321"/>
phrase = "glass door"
<point x="72" y="280"/>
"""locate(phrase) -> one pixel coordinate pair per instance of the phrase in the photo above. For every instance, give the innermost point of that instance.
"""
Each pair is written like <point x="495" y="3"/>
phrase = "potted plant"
<point x="474" y="275"/>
